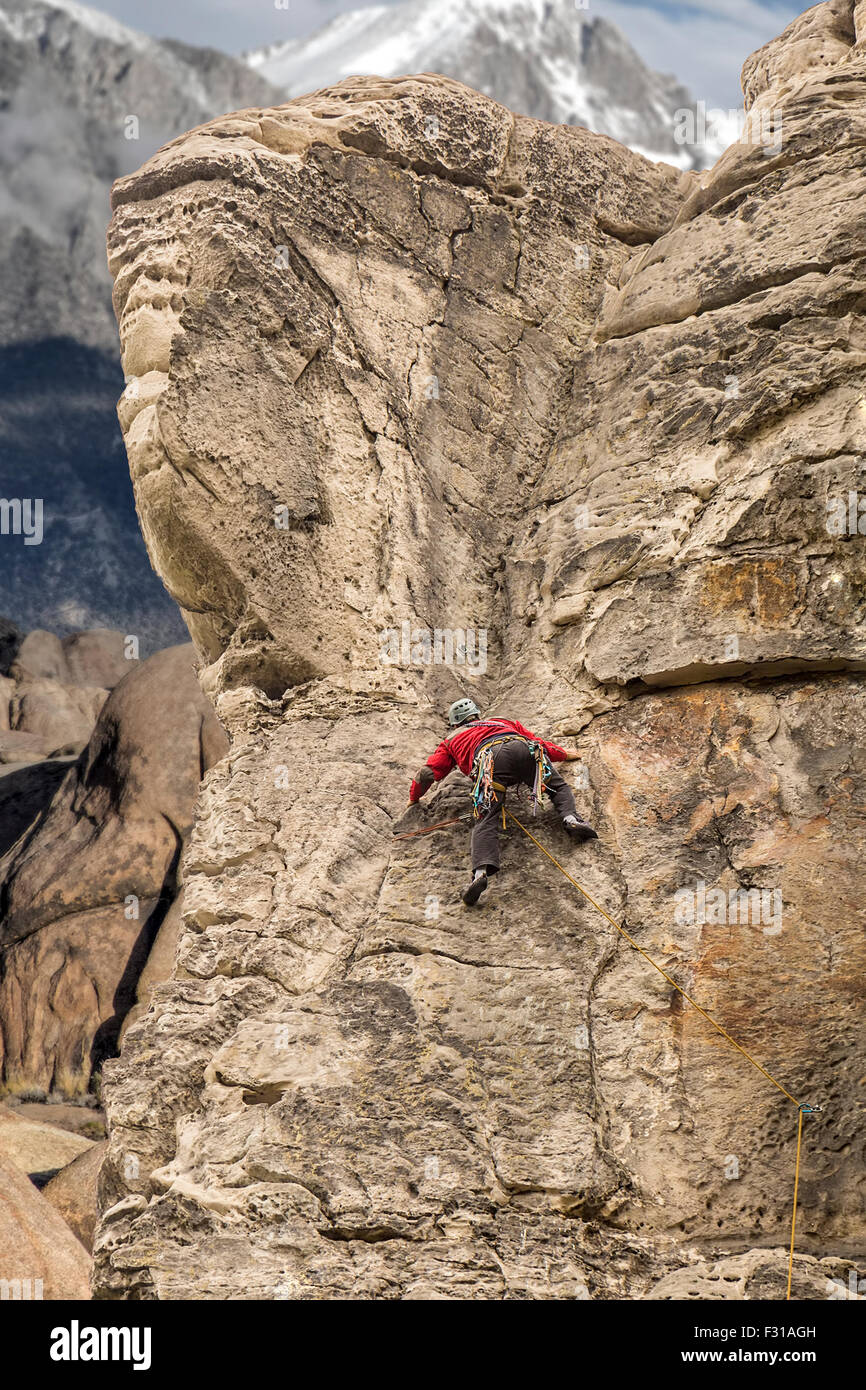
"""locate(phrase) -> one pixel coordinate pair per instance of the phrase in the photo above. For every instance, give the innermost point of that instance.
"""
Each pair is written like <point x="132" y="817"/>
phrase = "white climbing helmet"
<point x="462" y="710"/>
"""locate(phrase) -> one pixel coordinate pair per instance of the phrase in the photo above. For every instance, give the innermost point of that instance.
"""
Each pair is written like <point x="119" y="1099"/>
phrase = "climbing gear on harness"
<point x="802" y="1109"/>
<point x="543" y="769"/>
<point x="483" y="785"/>
<point x="476" y="888"/>
<point x="483" y="792"/>
<point x="462" y="710"/>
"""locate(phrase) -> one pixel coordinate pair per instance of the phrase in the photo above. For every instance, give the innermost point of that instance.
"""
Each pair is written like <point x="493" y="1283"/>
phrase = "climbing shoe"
<point x="475" y="889"/>
<point x="579" y="830"/>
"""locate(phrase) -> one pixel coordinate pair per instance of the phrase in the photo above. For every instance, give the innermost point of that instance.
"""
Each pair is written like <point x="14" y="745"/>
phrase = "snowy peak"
<point x="26" y="20"/>
<point x="543" y="58"/>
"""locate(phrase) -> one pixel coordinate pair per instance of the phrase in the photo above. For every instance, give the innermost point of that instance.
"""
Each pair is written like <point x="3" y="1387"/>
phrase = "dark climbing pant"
<point x="513" y="764"/>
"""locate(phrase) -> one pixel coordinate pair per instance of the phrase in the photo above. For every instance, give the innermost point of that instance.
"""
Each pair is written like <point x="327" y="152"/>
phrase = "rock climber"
<point x="497" y="754"/>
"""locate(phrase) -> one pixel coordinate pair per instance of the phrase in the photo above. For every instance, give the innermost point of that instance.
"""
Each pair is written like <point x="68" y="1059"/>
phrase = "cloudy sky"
<point x="703" y="41"/>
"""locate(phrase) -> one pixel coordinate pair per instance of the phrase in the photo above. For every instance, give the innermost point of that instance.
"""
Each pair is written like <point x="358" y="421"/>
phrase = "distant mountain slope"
<point x="74" y="84"/>
<point x="82" y="101"/>
<point x="544" y="58"/>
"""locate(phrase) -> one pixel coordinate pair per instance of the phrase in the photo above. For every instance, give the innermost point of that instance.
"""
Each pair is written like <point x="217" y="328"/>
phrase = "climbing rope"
<point x="804" y="1110"/>
<point x="428" y="829"/>
<point x="801" y="1109"/>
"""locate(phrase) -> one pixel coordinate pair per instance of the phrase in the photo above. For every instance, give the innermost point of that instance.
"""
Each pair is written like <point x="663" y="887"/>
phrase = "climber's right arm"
<point x="437" y="766"/>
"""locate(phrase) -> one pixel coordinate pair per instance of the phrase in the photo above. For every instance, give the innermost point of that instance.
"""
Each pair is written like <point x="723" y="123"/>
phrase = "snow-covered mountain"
<point x="544" y="58"/>
<point x="82" y="100"/>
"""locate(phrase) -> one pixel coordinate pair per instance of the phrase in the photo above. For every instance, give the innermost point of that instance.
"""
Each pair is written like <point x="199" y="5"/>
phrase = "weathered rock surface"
<point x="25" y="790"/>
<point x="73" y="1193"/>
<point x="757" y="1275"/>
<point x="36" y="1148"/>
<point x="54" y="690"/>
<point x="516" y="380"/>
<point x="41" y="1257"/>
<point x="86" y="888"/>
<point x="469" y="289"/>
<point x="85" y="1119"/>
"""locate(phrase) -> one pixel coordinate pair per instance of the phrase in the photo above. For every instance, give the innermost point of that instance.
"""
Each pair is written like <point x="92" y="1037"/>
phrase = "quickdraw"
<point x="543" y="770"/>
<point x="483" y="790"/>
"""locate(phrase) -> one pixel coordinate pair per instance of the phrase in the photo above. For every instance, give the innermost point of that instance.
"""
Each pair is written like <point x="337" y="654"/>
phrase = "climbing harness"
<point x="483" y="785"/>
<point x="801" y="1109"/>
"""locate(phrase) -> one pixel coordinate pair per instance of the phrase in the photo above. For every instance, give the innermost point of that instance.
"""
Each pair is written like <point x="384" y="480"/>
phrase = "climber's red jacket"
<point x="459" y="751"/>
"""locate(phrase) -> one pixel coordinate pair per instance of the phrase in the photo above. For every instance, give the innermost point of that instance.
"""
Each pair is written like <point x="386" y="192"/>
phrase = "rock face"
<point x="41" y="1256"/>
<point x="402" y="362"/>
<point x="757" y="1275"/>
<point x="73" y="1193"/>
<point x="85" y="889"/>
<point x="38" y="1149"/>
<point x="52" y="691"/>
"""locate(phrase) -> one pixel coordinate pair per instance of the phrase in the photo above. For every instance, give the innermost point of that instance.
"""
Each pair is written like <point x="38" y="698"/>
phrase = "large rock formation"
<point x="73" y="1193"/>
<point x="41" y="1256"/>
<point x="51" y="692"/>
<point x="86" y="887"/>
<point x="38" y="1149"/>
<point x="399" y="362"/>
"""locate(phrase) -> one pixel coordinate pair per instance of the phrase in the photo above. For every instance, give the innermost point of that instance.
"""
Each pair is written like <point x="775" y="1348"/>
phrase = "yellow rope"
<point x="631" y="941"/>
<point x="794" y="1212"/>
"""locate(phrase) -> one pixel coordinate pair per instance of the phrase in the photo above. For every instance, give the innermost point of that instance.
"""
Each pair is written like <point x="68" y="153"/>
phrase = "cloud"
<point x="230" y="25"/>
